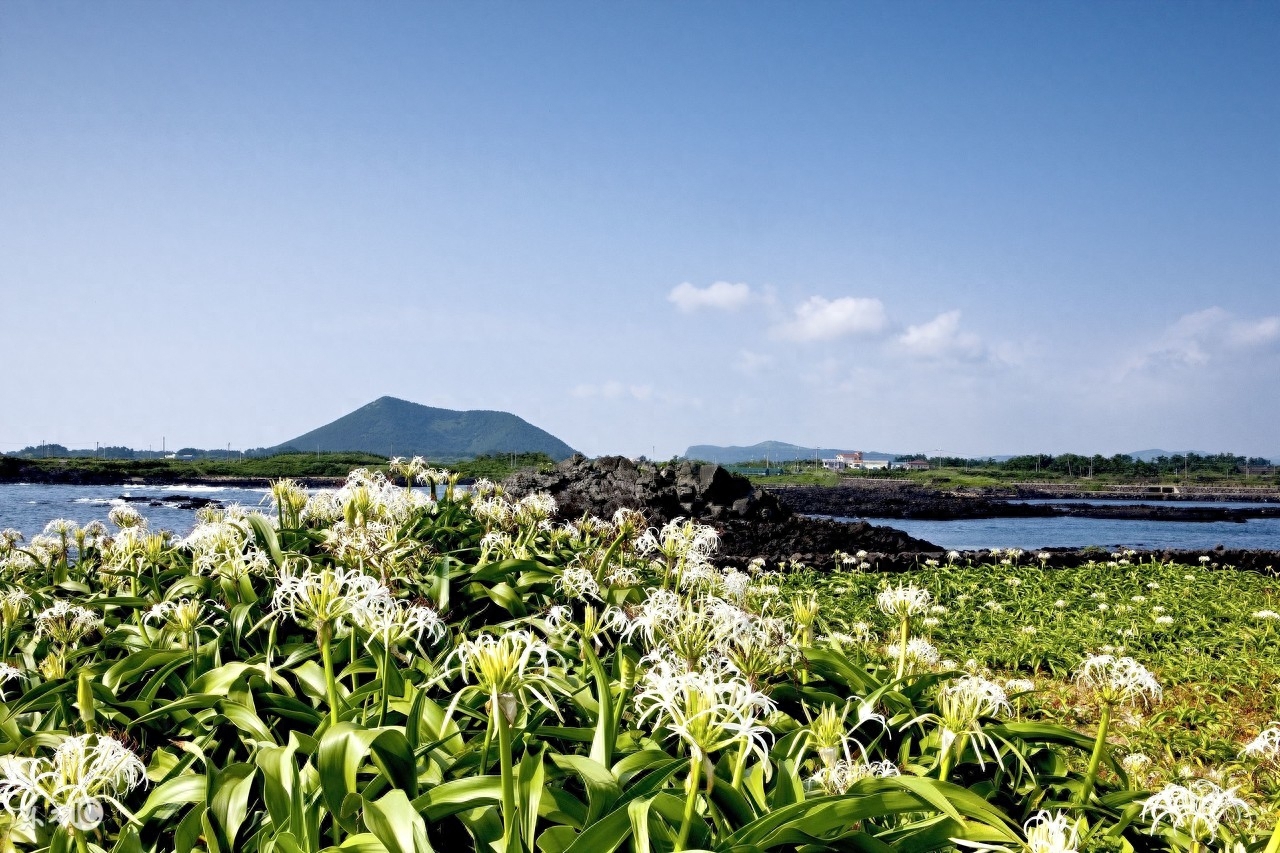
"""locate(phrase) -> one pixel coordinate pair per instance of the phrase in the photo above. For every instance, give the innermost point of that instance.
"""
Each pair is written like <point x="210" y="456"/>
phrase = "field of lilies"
<point x="407" y="666"/>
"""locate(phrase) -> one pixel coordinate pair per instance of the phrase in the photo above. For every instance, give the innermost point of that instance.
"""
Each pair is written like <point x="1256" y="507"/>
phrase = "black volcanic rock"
<point x="908" y="501"/>
<point x="688" y="489"/>
<point x="752" y="522"/>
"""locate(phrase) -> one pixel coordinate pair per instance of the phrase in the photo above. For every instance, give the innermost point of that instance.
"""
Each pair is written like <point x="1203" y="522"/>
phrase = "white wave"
<point x="102" y="501"/>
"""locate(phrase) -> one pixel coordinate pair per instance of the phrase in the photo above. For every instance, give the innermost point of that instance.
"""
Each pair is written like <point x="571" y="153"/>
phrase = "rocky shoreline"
<point x="870" y="501"/>
<point x="777" y="524"/>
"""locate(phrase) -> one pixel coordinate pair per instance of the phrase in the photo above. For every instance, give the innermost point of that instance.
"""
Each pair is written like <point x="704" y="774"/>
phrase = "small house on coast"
<point x="854" y="462"/>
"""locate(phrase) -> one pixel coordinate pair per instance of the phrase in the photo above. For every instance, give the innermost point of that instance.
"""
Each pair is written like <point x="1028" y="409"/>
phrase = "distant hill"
<point x="778" y="451"/>
<point x="1148" y="455"/>
<point x="395" y="427"/>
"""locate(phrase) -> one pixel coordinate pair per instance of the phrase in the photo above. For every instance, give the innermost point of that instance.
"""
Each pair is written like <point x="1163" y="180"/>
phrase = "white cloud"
<point x="752" y="363"/>
<point x="820" y="319"/>
<point x="1255" y="333"/>
<point x="613" y="390"/>
<point x="720" y="296"/>
<point x="941" y="337"/>
<point x="1203" y="337"/>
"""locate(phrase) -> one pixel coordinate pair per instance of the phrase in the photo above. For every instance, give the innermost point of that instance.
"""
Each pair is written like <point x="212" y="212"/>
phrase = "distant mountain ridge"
<point x="1148" y="455"/>
<point x="778" y="451"/>
<point x="395" y="427"/>
<point x="781" y="451"/>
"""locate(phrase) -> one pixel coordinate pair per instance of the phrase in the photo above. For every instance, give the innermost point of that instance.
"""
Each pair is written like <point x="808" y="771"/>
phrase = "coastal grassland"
<point x="391" y="667"/>
<point x="291" y="465"/>
<point x="1209" y="633"/>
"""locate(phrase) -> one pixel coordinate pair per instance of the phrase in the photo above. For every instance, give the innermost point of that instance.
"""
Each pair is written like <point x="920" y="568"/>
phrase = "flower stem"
<point x="1099" y="746"/>
<point x="324" y="635"/>
<point x="690" y="803"/>
<point x="386" y="670"/>
<point x="944" y="765"/>
<point x="903" y="635"/>
<point x="509" y="823"/>
<point x="1273" y="846"/>
<point x="739" y="766"/>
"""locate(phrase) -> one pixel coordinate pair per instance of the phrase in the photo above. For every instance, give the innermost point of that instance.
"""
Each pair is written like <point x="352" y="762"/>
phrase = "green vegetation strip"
<point x="377" y="669"/>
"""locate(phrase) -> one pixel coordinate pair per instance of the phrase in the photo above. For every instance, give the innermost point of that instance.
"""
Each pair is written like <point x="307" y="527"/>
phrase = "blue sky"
<point x="974" y="227"/>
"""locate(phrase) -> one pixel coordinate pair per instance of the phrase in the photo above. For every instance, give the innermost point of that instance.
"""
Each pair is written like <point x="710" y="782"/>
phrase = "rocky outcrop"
<point x="752" y="522"/>
<point x="686" y="489"/>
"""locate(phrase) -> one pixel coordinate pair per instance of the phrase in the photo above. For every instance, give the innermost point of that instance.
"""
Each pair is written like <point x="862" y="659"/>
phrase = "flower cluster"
<point x="83" y="772"/>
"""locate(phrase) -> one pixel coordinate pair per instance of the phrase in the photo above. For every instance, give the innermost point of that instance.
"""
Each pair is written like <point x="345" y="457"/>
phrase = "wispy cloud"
<point x="719" y="296"/>
<point x="613" y="390"/>
<point x="1201" y="338"/>
<point x="752" y="363"/>
<point x="821" y="319"/>
<point x="941" y="337"/>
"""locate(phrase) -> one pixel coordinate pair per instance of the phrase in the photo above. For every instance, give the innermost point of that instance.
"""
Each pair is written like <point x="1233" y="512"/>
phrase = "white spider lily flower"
<point x="66" y="623"/>
<point x="735" y="584"/>
<point x="1020" y="685"/>
<point x="1050" y="833"/>
<point x="576" y="582"/>
<point x="662" y="608"/>
<point x="705" y="711"/>
<point x="838" y="777"/>
<point x="535" y="508"/>
<point x="323" y="507"/>
<point x="1265" y="747"/>
<point x="326" y="597"/>
<point x="493" y="511"/>
<point x="759" y="647"/>
<point x="962" y="705"/>
<point x="904" y="602"/>
<point x="561" y="615"/>
<point x="124" y="516"/>
<point x="1117" y="680"/>
<point x="83" y="772"/>
<point x="919" y="651"/>
<point x="9" y="673"/>
<point x="183" y="615"/>
<point x="484" y="488"/>
<point x="829" y="737"/>
<point x="289" y="500"/>
<point x="682" y="547"/>
<point x="509" y="668"/>
<point x="1137" y="766"/>
<point x="14" y="604"/>
<point x="1197" y="808"/>
<point x="393" y="622"/>
<point x="623" y="575"/>
<point x="62" y="528"/>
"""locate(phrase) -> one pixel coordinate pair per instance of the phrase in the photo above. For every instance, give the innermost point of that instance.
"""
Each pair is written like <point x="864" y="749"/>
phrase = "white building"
<point x="854" y="462"/>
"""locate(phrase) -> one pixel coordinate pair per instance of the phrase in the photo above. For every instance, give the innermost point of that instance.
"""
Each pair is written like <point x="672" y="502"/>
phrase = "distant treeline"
<point x="58" y="451"/>
<point x="1122" y="464"/>
<point x="74" y="468"/>
<point x="1077" y="465"/>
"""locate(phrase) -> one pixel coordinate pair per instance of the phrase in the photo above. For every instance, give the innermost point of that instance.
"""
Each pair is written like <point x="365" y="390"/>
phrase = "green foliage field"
<point x="374" y="669"/>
